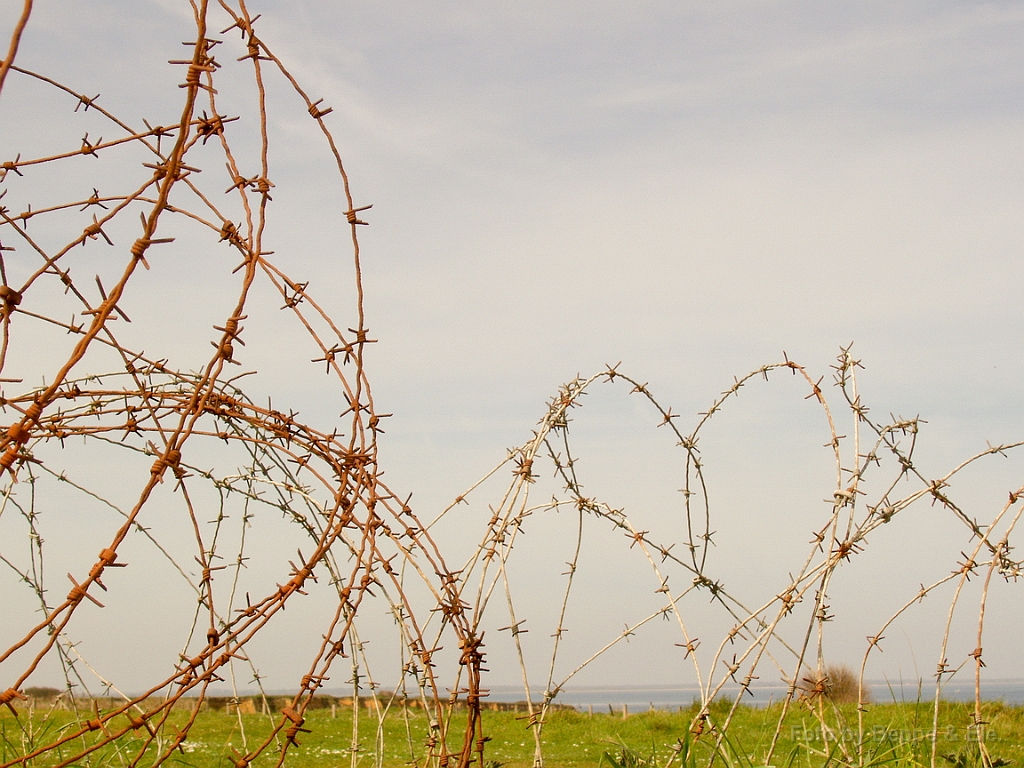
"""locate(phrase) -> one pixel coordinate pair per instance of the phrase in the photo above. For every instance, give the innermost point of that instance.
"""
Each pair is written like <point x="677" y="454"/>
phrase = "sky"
<point x="692" y="189"/>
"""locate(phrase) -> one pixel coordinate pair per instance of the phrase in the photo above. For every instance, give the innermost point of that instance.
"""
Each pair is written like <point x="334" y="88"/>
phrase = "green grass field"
<point x="894" y="734"/>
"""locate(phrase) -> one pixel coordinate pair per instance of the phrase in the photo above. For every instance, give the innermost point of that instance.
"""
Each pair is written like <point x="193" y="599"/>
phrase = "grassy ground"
<point x="894" y="734"/>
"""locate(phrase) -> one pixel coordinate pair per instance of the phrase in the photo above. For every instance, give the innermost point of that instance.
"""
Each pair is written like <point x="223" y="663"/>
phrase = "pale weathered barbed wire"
<point x="772" y="631"/>
<point x="185" y="460"/>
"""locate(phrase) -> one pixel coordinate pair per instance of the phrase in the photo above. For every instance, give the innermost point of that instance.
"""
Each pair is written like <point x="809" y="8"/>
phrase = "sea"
<point x="668" y="697"/>
<point x="640" y="698"/>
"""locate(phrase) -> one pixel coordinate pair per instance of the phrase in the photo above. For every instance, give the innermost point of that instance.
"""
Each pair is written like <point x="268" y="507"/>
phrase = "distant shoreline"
<point x="667" y="696"/>
<point x="661" y="697"/>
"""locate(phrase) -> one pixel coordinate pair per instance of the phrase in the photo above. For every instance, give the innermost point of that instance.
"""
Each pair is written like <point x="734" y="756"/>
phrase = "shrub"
<point x="843" y="685"/>
<point x="42" y="693"/>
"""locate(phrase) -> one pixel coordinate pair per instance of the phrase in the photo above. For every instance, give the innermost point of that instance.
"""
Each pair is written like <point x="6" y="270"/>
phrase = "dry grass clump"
<point x="838" y="683"/>
<point x="844" y="685"/>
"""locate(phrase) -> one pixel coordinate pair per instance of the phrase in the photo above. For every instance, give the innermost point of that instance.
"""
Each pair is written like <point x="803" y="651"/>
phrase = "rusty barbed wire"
<point x="166" y="415"/>
<point x="184" y="441"/>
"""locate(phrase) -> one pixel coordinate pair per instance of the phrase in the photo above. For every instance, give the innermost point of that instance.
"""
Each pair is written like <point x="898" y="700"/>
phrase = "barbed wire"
<point x="165" y="414"/>
<point x="179" y="451"/>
